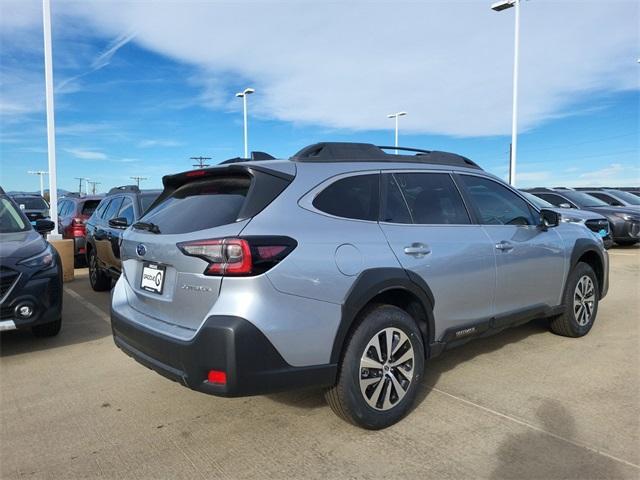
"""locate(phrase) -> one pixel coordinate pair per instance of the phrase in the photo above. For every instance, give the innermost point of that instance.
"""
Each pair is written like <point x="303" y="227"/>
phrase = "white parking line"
<point x="625" y="254"/>
<point x="99" y="313"/>
<point x="538" y="429"/>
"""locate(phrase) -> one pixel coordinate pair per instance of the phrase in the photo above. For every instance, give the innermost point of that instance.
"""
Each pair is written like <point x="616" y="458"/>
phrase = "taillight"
<point x="239" y="256"/>
<point x="78" y="228"/>
<point x="77" y="222"/>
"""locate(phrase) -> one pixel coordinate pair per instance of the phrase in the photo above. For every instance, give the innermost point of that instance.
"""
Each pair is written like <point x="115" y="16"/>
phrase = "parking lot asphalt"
<point x="521" y="404"/>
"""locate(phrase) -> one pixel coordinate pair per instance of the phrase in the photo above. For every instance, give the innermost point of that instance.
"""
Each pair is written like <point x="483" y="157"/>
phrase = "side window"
<point x="351" y="197"/>
<point x="555" y="200"/>
<point x="61" y="208"/>
<point x="101" y="206"/>
<point x="423" y="198"/>
<point x="606" y="198"/>
<point x="126" y="211"/>
<point x="496" y="204"/>
<point x="112" y="209"/>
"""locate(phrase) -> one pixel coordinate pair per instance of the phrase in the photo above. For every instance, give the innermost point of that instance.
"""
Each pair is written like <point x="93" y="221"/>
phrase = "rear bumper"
<point x="224" y="343"/>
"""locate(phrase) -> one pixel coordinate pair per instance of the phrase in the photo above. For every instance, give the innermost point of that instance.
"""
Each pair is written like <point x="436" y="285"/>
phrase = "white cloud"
<point x="85" y="154"/>
<point x="158" y="143"/>
<point x="347" y="64"/>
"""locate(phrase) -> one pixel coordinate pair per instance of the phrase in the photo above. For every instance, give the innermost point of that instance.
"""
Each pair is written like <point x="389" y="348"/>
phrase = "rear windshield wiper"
<point x="151" y="227"/>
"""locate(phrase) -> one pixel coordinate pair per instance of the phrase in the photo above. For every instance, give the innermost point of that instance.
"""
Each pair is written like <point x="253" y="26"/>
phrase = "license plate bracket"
<point x="152" y="279"/>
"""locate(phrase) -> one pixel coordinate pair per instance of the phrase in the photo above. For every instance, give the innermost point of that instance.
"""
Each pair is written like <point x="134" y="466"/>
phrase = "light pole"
<point x="51" y="129"/>
<point x="93" y="187"/>
<point x="498" y="7"/>
<point x="396" y="116"/>
<point x="137" y="179"/>
<point x="41" y="174"/>
<point x="243" y="95"/>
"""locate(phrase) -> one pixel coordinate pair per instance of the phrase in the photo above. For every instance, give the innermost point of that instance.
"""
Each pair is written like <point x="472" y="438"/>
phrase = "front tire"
<point x="375" y="388"/>
<point x="580" y="302"/>
<point x="100" y="281"/>
<point x="50" y="329"/>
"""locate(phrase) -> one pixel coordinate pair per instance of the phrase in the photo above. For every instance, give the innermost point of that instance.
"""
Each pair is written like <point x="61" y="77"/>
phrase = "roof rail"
<point x="404" y="149"/>
<point x="367" y="152"/>
<point x="125" y="188"/>
<point x="255" y="156"/>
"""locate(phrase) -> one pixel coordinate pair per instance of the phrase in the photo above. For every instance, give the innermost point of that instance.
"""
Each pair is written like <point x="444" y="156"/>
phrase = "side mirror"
<point x="43" y="226"/>
<point x="565" y="205"/>
<point x="549" y="219"/>
<point x="119" y="222"/>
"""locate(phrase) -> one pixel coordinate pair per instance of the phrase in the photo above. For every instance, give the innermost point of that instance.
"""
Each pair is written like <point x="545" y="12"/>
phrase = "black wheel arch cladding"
<point x="375" y="282"/>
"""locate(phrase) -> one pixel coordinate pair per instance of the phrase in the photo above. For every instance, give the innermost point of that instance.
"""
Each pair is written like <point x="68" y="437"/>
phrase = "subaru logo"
<point x="141" y="250"/>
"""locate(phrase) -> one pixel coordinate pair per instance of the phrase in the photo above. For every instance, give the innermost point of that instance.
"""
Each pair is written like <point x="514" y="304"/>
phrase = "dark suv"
<point x="624" y="221"/>
<point x="121" y="207"/>
<point x="32" y="205"/>
<point x="30" y="273"/>
<point x="73" y="213"/>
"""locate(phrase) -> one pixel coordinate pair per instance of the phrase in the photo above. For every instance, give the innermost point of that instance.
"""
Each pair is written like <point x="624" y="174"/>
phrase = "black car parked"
<point x="614" y="197"/>
<point x="33" y="206"/>
<point x="30" y="273"/>
<point x="624" y="221"/>
<point x="122" y="207"/>
<point x="73" y="212"/>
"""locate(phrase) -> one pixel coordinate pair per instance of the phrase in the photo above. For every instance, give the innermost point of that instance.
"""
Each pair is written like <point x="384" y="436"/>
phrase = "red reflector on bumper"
<point x="216" y="376"/>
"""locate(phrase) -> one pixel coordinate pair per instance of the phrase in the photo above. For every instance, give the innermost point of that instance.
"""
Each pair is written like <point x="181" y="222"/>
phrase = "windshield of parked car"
<point x="629" y="198"/>
<point x="31" y="203"/>
<point x="537" y="201"/>
<point x="583" y="199"/>
<point x="11" y="220"/>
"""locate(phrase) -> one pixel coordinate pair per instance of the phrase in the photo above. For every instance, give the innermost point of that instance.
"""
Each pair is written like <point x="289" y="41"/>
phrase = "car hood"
<point x="20" y="245"/>
<point x="613" y="210"/>
<point x="578" y="214"/>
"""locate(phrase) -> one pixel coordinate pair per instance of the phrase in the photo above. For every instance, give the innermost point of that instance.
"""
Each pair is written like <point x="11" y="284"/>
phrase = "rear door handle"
<point x="417" y="250"/>
<point x="504" y="246"/>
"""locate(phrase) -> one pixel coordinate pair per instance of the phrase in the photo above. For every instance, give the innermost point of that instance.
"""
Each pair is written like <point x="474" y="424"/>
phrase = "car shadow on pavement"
<point x="535" y="455"/>
<point x="312" y="398"/>
<point x="73" y="331"/>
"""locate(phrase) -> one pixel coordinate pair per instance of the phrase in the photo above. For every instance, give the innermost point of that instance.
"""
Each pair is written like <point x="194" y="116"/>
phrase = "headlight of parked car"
<point x="42" y="260"/>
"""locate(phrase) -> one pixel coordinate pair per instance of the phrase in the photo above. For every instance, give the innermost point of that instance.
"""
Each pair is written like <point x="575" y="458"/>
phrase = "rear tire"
<point x="358" y="396"/>
<point x="100" y="281"/>
<point x="50" y="329"/>
<point x="580" y="303"/>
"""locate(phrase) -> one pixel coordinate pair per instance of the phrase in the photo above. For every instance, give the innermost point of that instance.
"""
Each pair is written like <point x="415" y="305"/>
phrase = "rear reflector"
<point x="216" y="376"/>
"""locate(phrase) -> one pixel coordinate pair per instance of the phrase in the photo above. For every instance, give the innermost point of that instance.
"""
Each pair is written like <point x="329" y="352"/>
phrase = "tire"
<point x="380" y="403"/>
<point x="50" y="329"/>
<point x="627" y="243"/>
<point x="100" y="281"/>
<point x="580" y="303"/>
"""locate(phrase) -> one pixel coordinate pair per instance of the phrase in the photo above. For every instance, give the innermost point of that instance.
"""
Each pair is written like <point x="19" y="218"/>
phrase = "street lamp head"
<point x="249" y="91"/>
<point x="401" y="114"/>
<point x="503" y="5"/>
<point x="239" y="94"/>
<point x="394" y="115"/>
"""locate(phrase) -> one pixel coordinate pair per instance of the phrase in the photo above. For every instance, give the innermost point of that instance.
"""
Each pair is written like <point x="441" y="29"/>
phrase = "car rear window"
<point x="32" y="203"/>
<point x="90" y="206"/>
<point x="201" y="205"/>
<point x="146" y="199"/>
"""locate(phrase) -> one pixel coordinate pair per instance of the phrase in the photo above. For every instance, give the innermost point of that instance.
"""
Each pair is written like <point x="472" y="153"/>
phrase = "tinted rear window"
<point x="200" y="205"/>
<point x="31" y="203"/>
<point x="146" y="199"/>
<point x="351" y="197"/>
<point x="89" y="206"/>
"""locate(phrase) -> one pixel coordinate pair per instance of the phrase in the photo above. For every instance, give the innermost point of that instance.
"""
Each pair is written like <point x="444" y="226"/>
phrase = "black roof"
<point x="366" y="152"/>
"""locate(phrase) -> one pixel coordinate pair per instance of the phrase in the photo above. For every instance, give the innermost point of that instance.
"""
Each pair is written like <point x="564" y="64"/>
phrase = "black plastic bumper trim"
<point x="230" y="344"/>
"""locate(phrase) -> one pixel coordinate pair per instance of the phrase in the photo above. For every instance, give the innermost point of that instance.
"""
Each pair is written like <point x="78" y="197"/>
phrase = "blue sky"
<point x="140" y="88"/>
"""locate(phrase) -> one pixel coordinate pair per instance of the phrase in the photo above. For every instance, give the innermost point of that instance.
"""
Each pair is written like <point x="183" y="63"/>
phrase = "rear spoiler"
<point x="266" y="184"/>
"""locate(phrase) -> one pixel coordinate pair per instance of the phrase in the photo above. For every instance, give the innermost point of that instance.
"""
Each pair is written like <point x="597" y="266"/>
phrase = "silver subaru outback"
<point x="344" y="267"/>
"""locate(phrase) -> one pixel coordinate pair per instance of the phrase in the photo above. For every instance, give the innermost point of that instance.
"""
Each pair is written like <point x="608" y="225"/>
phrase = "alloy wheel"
<point x="584" y="299"/>
<point x="386" y="368"/>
